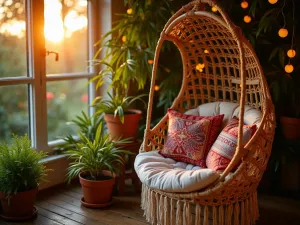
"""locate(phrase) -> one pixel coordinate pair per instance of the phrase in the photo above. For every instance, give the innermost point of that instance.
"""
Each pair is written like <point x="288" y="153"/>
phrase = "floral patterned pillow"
<point x="190" y="137"/>
<point x="223" y="149"/>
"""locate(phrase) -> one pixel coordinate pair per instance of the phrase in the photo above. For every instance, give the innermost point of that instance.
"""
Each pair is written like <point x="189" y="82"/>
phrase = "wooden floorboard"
<point x="61" y="206"/>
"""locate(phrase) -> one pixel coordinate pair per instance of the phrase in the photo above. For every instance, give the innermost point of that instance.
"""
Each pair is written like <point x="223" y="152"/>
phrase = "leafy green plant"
<point x="20" y="166"/>
<point x="94" y="156"/>
<point x="117" y="105"/>
<point x="133" y="41"/>
<point x="128" y="50"/>
<point x="87" y="126"/>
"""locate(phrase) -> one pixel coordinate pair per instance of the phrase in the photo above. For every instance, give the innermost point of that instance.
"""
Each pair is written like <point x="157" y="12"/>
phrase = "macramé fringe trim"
<point x="162" y="210"/>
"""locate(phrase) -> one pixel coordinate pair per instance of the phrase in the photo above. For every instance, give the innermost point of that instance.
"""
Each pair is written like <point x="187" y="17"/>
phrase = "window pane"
<point x="66" y="33"/>
<point x="65" y="100"/>
<point x="14" y="117"/>
<point x="12" y="38"/>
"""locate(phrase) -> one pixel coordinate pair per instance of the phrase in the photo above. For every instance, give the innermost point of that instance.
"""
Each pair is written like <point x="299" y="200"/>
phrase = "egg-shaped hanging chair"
<point x="229" y="76"/>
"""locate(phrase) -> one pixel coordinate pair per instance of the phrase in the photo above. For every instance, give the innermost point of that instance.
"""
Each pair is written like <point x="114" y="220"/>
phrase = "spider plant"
<point x="117" y="102"/>
<point x="95" y="156"/>
<point x="86" y="125"/>
<point x="117" y="105"/>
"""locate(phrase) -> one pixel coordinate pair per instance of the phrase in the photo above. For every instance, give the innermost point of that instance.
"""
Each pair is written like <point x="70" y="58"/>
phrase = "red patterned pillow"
<point x="190" y="137"/>
<point x="222" y="151"/>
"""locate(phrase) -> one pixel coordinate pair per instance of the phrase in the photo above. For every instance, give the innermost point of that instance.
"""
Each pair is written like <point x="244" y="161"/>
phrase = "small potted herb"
<point x="21" y="171"/>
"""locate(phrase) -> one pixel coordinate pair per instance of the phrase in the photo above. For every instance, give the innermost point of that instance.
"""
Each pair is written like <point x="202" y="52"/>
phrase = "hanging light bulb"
<point x="273" y="1"/>
<point x="214" y="9"/>
<point x="289" y="68"/>
<point x="291" y="53"/>
<point x="283" y="32"/>
<point x="244" y="4"/>
<point x="247" y="19"/>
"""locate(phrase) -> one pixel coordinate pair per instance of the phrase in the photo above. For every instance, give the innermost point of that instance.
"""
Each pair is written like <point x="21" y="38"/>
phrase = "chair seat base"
<point x="161" y="209"/>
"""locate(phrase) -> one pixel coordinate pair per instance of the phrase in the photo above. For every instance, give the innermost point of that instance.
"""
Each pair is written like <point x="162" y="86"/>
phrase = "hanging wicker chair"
<point x="232" y="74"/>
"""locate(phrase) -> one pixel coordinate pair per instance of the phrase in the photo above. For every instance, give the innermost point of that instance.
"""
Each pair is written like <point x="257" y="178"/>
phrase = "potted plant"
<point x="127" y="52"/>
<point x="96" y="162"/>
<point x="122" y="122"/>
<point x="21" y="171"/>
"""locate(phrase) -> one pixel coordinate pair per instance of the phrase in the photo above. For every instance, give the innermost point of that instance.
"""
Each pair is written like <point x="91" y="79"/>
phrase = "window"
<point x="45" y="47"/>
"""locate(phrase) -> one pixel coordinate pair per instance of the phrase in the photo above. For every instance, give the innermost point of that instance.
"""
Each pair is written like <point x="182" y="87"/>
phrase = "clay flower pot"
<point x="128" y="129"/>
<point x="20" y="205"/>
<point x="97" y="192"/>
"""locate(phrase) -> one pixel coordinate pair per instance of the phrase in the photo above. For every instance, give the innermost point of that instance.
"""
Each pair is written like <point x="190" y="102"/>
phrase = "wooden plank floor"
<point x="61" y="205"/>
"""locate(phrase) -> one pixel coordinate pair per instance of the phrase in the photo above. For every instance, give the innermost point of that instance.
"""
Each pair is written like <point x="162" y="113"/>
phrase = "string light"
<point x="291" y="53"/>
<point x="150" y="61"/>
<point x="156" y="87"/>
<point x="289" y="68"/>
<point x="129" y="11"/>
<point x="206" y="51"/>
<point x="273" y="1"/>
<point x="247" y="19"/>
<point x="214" y="9"/>
<point x="200" y="67"/>
<point x="244" y="4"/>
<point x="283" y="32"/>
<point x="124" y="39"/>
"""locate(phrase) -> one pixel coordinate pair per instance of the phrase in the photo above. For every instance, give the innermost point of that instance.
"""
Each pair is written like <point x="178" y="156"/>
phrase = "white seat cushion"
<point x="166" y="174"/>
<point x="229" y="109"/>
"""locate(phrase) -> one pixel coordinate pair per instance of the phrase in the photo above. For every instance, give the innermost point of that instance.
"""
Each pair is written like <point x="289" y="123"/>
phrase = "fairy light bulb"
<point x="200" y="67"/>
<point x="273" y="1"/>
<point x="214" y="9"/>
<point x="206" y="51"/>
<point x="156" y="87"/>
<point x="291" y="53"/>
<point x="247" y="19"/>
<point x="150" y="61"/>
<point x="129" y="11"/>
<point x="124" y="39"/>
<point x="244" y="4"/>
<point x="289" y="68"/>
<point x="283" y="32"/>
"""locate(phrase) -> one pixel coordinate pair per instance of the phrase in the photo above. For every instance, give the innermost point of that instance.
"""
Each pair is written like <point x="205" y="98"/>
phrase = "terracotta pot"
<point x="128" y="129"/>
<point x="290" y="127"/>
<point x="97" y="192"/>
<point x="19" y="205"/>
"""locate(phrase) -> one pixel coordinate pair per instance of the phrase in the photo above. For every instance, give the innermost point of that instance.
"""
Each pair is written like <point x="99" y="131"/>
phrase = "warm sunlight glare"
<point x="56" y="28"/>
<point x="74" y="22"/>
<point x="15" y="27"/>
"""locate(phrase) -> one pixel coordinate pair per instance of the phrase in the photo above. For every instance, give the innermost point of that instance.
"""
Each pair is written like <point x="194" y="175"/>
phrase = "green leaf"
<point x="281" y="57"/>
<point x="273" y="53"/>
